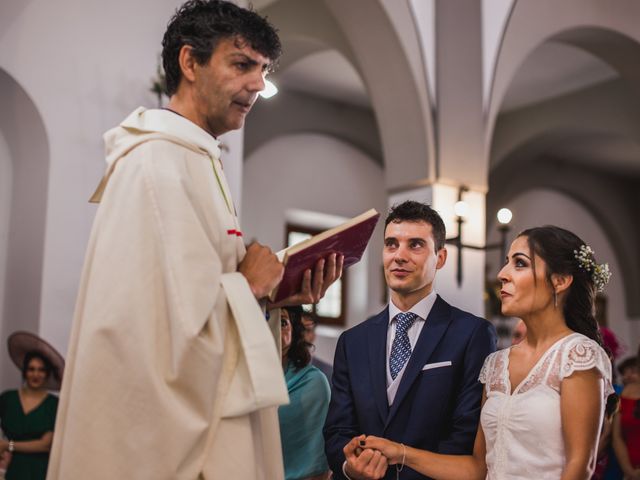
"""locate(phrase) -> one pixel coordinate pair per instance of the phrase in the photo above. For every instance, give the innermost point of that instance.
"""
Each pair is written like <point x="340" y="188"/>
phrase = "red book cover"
<point x="349" y="239"/>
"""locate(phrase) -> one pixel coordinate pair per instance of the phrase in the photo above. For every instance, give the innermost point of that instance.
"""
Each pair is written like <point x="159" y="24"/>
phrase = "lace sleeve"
<point x="487" y="368"/>
<point x="582" y="354"/>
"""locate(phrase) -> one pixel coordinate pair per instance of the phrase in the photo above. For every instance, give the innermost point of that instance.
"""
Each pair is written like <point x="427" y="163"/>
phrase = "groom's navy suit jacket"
<point x="435" y="409"/>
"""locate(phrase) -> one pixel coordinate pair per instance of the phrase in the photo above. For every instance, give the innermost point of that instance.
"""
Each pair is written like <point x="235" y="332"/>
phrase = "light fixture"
<point x="461" y="210"/>
<point x="269" y="89"/>
<point x="504" y="216"/>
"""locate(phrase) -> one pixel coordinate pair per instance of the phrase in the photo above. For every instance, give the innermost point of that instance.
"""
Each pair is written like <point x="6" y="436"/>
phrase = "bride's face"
<point x="524" y="290"/>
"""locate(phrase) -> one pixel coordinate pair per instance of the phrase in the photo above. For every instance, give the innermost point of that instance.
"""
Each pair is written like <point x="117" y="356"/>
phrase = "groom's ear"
<point x="442" y="258"/>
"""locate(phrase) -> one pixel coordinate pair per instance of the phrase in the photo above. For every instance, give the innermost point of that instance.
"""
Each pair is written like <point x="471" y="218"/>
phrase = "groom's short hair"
<point x="412" y="211"/>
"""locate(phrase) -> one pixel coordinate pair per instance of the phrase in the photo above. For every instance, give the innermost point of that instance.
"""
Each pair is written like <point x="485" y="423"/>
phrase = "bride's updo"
<point x="564" y="253"/>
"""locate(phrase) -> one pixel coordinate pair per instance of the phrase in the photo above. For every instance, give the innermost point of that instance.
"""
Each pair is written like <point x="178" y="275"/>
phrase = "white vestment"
<point x="172" y="372"/>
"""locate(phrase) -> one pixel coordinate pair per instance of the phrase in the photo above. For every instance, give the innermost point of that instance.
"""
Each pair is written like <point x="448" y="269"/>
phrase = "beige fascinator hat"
<point x="21" y="343"/>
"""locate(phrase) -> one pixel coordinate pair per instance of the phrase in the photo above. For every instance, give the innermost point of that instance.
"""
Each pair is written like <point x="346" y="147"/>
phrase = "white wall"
<point x="27" y="144"/>
<point x="85" y="65"/>
<point x="322" y="174"/>
<point x="6" y="175"/>
<point x="548" y="207"/>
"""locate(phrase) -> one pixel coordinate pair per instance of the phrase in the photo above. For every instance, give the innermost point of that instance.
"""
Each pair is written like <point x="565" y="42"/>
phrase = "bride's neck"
<point x="545" y="327"/>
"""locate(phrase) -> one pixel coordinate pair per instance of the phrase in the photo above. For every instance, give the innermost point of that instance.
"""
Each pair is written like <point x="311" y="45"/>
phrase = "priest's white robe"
<point x="172" y="372"/>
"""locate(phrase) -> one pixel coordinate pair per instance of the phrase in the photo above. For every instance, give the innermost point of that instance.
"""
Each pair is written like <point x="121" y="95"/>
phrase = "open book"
<point x="349" y="239"/>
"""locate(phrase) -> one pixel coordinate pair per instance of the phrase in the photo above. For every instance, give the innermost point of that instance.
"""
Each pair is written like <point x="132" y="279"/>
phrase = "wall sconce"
<point x="461" y="210"/>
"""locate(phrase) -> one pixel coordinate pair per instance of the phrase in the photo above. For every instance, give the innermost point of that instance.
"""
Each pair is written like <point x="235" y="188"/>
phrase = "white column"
<point x="459" y="116"/>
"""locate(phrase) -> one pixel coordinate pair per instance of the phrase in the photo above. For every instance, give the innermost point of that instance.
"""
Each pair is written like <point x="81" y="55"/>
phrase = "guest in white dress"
<point x="543" y="399"/>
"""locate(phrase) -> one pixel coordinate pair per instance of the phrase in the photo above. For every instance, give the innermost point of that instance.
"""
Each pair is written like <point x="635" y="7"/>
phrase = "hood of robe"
<point x="143" y="125"/>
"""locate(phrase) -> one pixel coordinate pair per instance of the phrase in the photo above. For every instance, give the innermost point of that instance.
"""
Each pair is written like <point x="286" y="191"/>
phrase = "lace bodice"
<point x="522" y="428"/>
<point x="572" y="353"/>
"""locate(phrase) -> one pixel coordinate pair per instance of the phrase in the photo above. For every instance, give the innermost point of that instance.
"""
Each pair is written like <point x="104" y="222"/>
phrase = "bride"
<point x="543" y="399"/>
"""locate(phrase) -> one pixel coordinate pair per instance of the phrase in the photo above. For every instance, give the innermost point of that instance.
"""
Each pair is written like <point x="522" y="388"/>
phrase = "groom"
<point x="410" y="373"/>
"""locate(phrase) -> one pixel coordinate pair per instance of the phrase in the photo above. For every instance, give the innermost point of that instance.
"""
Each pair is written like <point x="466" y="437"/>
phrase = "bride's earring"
<point x="555" y="299"/>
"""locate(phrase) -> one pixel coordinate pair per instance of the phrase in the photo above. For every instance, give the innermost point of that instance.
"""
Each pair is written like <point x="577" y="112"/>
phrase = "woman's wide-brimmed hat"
<point x="21" y="343"/>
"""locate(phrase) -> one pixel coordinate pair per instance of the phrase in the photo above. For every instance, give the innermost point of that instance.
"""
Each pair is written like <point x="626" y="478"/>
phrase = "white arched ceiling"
<point x="304" y="28"/>
<point x="608" y="30"/>
<point x="27" y="148"/>
<point x="363" y="32"/>
<point x="398" y="98"/>
<point x="552" y="70"/>
<point x="319" y="93"/>
<point x="326" y="74"/>
<point x="424" y="16"/>
<point x="605" y="109"/>
<point x="495" y="15"/>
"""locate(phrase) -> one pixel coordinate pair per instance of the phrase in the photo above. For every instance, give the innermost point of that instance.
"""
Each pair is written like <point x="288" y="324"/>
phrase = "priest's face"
<point x="226" y="87"/>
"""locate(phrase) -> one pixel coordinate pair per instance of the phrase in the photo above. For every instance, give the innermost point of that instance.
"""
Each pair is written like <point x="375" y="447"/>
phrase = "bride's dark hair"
<point x="556" y="246"/>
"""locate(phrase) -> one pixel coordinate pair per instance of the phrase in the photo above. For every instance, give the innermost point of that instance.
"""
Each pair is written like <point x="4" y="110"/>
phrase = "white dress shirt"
<point x="421" y="309"/>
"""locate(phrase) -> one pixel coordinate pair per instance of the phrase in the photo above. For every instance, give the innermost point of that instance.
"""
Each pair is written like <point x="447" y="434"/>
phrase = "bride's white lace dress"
<point x="522" y="428"/>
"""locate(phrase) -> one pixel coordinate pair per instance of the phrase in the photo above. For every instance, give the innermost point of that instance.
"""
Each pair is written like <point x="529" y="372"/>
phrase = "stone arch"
<point x="379" y="54"/>
<point x="588" y="24"/>
<point x="27" y="151"/>
<point x="597" y="111"/>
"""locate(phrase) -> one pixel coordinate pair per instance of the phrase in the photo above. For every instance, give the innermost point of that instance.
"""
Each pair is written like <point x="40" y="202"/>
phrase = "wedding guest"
<point x="606" y="461"/>
<point x="28" y="414"/>
<point x="628" y="370"/>
<point x="626" y="430"/>
<point x="519" y="332"/>
<point x="544" y="398"/>
<point x="302" y="419"/>
<point x="310" y="322"/>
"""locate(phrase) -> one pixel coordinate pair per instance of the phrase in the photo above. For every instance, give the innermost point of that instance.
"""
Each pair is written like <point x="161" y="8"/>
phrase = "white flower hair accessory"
<point x="600" y="273"/>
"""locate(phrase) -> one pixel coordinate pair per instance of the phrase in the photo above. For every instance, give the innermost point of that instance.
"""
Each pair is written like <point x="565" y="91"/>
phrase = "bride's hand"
<point x="392" y="450"/>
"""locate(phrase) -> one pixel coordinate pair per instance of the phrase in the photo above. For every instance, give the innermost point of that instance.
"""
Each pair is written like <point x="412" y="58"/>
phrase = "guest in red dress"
<point x="626" y="431"/>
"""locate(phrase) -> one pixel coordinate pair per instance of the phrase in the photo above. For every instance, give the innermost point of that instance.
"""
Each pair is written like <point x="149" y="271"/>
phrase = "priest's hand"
<point x="314" y="286"/>
<point x="262" y="269"/>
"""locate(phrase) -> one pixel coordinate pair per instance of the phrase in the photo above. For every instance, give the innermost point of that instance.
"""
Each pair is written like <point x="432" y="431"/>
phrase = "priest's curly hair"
<point x="202" y="23"/>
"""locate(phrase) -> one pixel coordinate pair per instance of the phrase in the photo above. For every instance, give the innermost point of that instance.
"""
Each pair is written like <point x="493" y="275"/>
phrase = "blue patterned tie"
<point x="401" y="347"/>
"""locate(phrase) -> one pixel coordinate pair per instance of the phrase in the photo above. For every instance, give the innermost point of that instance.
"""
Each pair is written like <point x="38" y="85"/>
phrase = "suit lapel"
<point x="377" y="343"/>
<point x="430" y="336"/>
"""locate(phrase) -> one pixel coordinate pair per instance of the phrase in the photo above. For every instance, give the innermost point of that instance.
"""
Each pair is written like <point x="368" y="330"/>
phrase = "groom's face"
<point x="410" y="259"/>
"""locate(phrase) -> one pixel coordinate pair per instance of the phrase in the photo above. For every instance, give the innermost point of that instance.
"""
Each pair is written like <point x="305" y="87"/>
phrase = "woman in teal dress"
<point x="301" y="421"/>
<point x="28" y="417"/>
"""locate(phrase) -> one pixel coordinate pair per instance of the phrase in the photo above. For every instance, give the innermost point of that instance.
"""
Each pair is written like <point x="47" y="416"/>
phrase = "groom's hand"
<point x="363" y="464"/>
